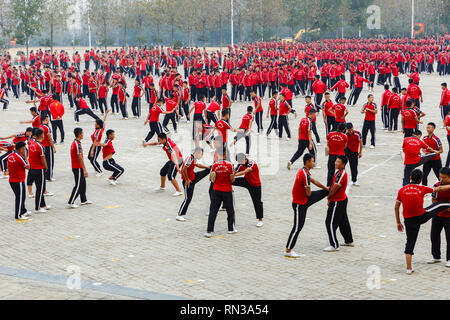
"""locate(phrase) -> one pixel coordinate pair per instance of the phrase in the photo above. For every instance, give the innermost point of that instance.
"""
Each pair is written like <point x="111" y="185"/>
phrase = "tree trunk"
<point x="172" y="34"/>
<point x="51" y="33"/>
<point x="26" y="45"/>
<point x="239" y="28"/>
<point x="125" y="35"/>
<point x="105" y="34"/>
<point x="157" y="33"/>
<point x="220" y="32"/>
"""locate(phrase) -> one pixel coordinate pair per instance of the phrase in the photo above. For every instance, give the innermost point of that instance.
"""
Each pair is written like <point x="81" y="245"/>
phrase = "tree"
<point x="139" y="13"/>
<point x="100" y="16"/>
<point x="186" y="22"/>
<point x="27" y="16"/>
<point x="170" y="10"/>
<point x="56" y="13"/>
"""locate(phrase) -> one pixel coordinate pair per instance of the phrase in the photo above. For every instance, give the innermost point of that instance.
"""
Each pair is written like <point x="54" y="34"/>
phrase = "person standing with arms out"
<point x="57" y="112"/>
<point x="49" y="147"/>
<point x="17" y="164"/>
<point x="411" y="197"/>
<point x="444" y="104"/>
<point x="38" y="165"/>
<point x="329" y="116"/>
<point x="302" y="199"/>
<point x="222" y="177"/>
<point x="109" y="163"/>
<point x="341" y="86"/>
<point x="258" y="111"/>
<point x="441" y="220"/>
<point x="190" y="179"/>
<point x="79" y="171"/>
<point x="354" y="95"/>
<point x="434" y="163"/>
<point x="336" y="144"/>
<point x="411" y="148"/>
<point x="353" y="151"/>
<point x="96" y="137"/>
<point x="304" y="138"/>
<point x="319" y="88"/>
<point x="36" y="120"/>
<point x="285" y="108"/>
<point x="247" y="176"/>
<point x="137" y="95"/>
<point x="172" y="166"/>
<point x="337" y="208"/>
<point x="273" y="112"/>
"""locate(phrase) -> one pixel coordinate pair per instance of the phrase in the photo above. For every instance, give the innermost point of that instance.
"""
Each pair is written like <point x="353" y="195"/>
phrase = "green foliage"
<point x="27" y="15"/>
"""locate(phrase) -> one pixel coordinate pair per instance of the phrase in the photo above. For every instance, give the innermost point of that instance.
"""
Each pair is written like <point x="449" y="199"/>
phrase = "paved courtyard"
<point x="128" y="245"/>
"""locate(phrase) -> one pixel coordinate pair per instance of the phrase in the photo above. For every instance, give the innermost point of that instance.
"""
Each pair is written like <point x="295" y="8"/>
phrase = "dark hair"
<point x="386" y="86"/>
<point x="225" y="112"/>
<point x="99" y="122"/>
<point x="29" y="129"/>
<point x="349" y="125"/>
<point x="416" y="176"/>
<point x="77" y="131"/>
<point x="409" y="103"/>
<point x="394" y="90"/>
<point x="445" y="170"/>
<point x="109" y="132"/>
<point x="417" y="132"/>
<point x="33" y="109"/>
<point x="37" y="132"/>
<point x="44" y="117"/>
<point x="249" y="109"/>
<point x="162" y="135"/>
<point x="308" y="97"/>
<point x="344" y="159"/>
<point x="307" y="157"/>
<point x="444" y="84"/>
<point x="20" y="144"/>
<point x="341" y="127"/>
<point x="432" y="124"/>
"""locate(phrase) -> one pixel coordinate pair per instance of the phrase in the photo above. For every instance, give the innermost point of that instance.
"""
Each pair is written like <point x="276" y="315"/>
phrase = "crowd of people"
<point x="193" y="85"/>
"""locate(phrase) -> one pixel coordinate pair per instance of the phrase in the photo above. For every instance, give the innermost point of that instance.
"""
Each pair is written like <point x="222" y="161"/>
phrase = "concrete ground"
<point x="129" y="245"/>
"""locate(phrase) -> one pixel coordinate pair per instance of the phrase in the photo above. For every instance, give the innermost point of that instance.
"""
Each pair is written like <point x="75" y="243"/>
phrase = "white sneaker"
<point x="23" y="217"/>
<point x="72" y="206"/>
<point x="409" y="271"/>
<point x="49" y="194"/>
<point x="160" y="189"/>
<point x="86" y="202"/>
<point x="433" y="260"/>
<point x="27" y="214"/>
<point x="112" y="182"/>
<point x="356" y="184"/>
<point x="232" y="232"/>
<point x="288" y="139"/>
<point x="100" y="174"/>
<point x="292" y="254"/>
<point x="178" y="193"/>
<point x="31" y="196"/>
<point x="330" y="249"/>
<point x="52" y="179"/>
<point x="207" y="214"/>
<point x="180" y="218"/>
<point x="318" y="143"/>
<point x="41" y="210"/>
<point x="259" y="224"/>
<point x="372" y="147"/>
<point x="208" y="234"/>
<point x="48" y="207"/>
<point x="448" y="264"/>
<point x="289" y="165"/>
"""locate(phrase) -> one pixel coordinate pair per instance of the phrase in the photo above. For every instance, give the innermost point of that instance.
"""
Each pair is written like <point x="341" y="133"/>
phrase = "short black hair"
<point x="349" y="125"/>
<point x="307" y="157"/>
<point x="308" y="97"/>
<point x="416" y="176"/>
<point x="77" y="131"/>
<point x="162" y="135"/>
<point x="341" y="127"/>
<point x="386" y="86"/>
<point x="344" y="159"/>
<point x="99" y="122"/>
<point x="20" y="144"/>
<point x="417" y="132"/>
<point x="249" y="109"/>
<point x="445" y="171"/>
<point x="109" y="132"/>
<point x="431" y="124"/>
<point x="33" y="109"/>
<point x="37" y="132"/>
<point x="225" y="112"/>
<point x="444" y="84"/>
